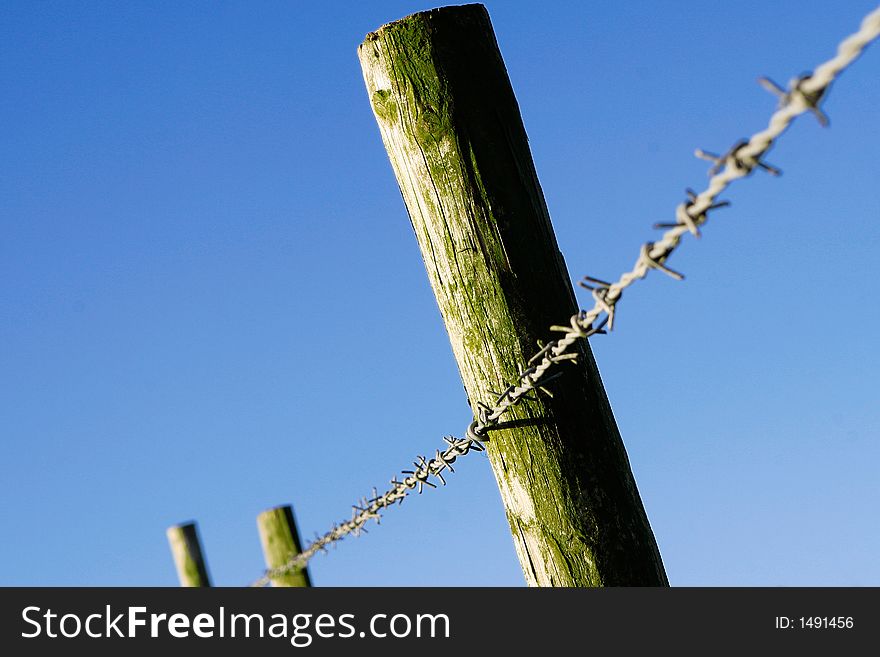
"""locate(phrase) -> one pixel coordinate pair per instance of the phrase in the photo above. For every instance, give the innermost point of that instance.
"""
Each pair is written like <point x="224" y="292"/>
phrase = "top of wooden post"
<point x="474" y="8"/>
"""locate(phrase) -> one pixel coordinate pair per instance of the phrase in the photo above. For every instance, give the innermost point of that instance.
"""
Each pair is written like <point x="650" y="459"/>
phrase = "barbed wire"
<point x="802" y="95"/>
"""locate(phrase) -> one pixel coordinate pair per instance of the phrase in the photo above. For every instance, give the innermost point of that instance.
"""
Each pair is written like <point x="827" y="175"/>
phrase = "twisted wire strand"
<point x="803" y="95"/>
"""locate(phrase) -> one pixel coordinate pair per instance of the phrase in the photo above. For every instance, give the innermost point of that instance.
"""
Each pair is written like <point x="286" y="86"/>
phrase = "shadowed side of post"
<point x="452" y="129"/>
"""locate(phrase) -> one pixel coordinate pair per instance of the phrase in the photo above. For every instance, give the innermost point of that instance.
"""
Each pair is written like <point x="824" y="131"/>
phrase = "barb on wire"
<point x="804" y="95"/>
<point x="733" y="159"/>
<point x="795" y="88"/>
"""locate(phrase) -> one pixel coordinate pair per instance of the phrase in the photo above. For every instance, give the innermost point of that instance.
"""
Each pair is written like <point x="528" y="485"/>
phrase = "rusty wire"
<point x="804" y="94"/>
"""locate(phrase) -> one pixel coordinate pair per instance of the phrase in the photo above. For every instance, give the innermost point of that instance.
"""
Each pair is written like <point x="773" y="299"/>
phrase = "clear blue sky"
<point x="211" y="301"/>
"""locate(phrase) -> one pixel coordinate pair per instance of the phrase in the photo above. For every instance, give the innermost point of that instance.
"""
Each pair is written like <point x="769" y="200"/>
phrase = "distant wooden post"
<point x="452" y="128"/>
<point x="188" y="557"/>
<point x="280" y="542"/>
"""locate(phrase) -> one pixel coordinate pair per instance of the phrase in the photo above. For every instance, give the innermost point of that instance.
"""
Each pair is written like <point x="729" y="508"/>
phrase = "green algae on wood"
<point x="452" y="128"/>
<point x="186" y="549"/>
<point x="280" y="541"/>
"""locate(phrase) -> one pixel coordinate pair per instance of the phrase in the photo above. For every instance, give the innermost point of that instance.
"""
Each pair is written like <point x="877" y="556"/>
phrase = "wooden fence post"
<point x="186" y="548"/>
<point x="280" y="542"/>
<point x="452" y="128"/>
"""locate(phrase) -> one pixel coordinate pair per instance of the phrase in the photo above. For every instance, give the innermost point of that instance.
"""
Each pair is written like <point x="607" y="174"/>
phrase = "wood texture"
<point x="280" y="541"/>
<point x="186" y="549"/>
<point x="452" y="128"/>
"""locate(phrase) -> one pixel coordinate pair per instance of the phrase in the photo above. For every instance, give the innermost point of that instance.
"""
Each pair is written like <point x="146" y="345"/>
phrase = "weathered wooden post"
<point x="452" y="128"/>
<point x="186" y="548"/>
<point x="280" y="542"/>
